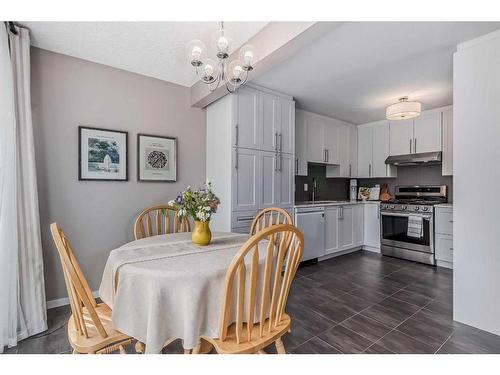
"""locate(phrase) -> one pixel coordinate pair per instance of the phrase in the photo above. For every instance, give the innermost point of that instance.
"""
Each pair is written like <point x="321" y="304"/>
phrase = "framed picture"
<point x="102" y="154"/>
<point x="156" y="158"/>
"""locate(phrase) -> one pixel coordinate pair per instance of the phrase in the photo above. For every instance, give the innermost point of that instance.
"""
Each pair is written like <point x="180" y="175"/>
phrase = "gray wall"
<point x="98" y="216"/>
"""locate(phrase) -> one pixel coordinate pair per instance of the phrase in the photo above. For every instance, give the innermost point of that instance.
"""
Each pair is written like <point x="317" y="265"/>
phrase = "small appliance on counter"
<point x="353" y="190"/>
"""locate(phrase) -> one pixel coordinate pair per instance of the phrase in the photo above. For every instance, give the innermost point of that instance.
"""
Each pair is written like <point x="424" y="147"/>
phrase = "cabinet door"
<point x="287" y="125"/>
<point x="246" y="179"/>
<point x="365" y="149"/>
<point x="427" y="132"/>
<point x="372" y="225"/>
<point x="353" y="152"/>
<point x="247" y="119"/>
<point x="270" y="122"/>
<point x="345" y="168"/>
<point x="332" y="141"/>
<point x="346" y="227"/>
<point x="448" y="142"/>
<point x="269" y="179"/>
<point x="401" y="137"/>
<point x="286" y="166"/>
<point x="300" y="144"/>
<point x="380" y="149"/>
<point x="315" y="139"/>
<point x="358" y="224"/>
<point x="444" y="248"/>
<point x="331" y="229"/>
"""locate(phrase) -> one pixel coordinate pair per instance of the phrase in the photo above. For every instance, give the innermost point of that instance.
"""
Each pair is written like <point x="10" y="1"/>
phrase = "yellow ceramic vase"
<point x="201" y="234"/>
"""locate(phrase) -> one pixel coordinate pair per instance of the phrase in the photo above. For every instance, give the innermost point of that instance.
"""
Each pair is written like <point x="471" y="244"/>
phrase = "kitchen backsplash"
<point x="338" y="188"/>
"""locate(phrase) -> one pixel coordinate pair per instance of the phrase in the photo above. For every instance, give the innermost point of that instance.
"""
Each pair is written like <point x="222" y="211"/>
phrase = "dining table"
<point x="165" y="287"/>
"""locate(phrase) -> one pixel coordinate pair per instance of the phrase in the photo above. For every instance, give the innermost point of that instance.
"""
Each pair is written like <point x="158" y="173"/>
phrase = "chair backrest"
<point x="165" y="221"/>
<point x="280" y="248"/>
<point x="79" y="293"/>
<point x="270" y="216"/>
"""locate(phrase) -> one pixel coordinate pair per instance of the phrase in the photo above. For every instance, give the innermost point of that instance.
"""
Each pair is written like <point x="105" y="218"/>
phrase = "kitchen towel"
<point x="415" y="226"/>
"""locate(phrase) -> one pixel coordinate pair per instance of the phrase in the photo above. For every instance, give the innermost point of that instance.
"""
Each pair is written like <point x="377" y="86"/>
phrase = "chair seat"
<point x="94" y="342"/>
<point x="230" y="345"/>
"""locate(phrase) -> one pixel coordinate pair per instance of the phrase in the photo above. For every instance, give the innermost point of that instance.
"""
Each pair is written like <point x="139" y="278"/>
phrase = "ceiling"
<point x="154" y="49"/>
<point x="357" y="69"/>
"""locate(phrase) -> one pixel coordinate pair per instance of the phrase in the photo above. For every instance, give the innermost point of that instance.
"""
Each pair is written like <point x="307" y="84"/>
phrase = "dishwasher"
<point x="311" y="222"/>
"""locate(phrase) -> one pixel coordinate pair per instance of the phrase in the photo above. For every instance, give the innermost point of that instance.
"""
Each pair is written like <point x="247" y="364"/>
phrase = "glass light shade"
<point x="248" y="57"/>
<point x="196" y="52"/>
<point x="403" y="110"/>
<point x="208" y="71"/>
<point x="235" y="72"/>
<point x="222" y="42"/>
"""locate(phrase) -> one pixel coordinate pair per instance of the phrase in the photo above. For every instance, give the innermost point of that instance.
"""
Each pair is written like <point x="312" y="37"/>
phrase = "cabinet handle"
<point x="378" y="212"/>
<point x="415" y="145"/>
<point x="451" y="249"/>
<point x="341" y="213"/>
<point x="276" y="141"/>
<point x="369" y="170"/>
<point x="281" y="161"/>
<point x="296" y="165"/>
<point x="236" y="159"/>
<point x="236" y="136"/>
<point x="247" y="218"/>
<point x="281" y="142"/>
<point x="327" y="155"/>
<point x="350" y="172"/>
<point x="410" y="145"/>
<point x="451" y="221"/>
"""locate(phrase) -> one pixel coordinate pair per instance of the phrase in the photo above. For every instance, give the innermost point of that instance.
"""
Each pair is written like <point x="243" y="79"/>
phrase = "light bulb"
<point x="222" y="43"/>
<point x="237" y="71"/>
<point x="196" y="53"/>
<point x="209" y="69"/>
<point x="248" y="57"/>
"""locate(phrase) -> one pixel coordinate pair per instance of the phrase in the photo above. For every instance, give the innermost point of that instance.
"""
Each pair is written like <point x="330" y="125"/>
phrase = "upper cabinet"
<point x="373" y="149"/>
<point x="315" y="134"/>
<point x="247" y="125"/>
<point x="448" y="142"/>
<point x="300" y="144"/>
<point x="422" y="134"/>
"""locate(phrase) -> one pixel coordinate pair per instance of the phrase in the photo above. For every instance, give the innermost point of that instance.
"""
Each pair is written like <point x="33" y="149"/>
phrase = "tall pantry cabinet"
<point x="250" y="155"/>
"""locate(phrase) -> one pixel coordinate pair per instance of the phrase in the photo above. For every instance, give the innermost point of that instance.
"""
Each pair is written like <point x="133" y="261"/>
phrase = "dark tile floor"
<point x="356" y="303"/>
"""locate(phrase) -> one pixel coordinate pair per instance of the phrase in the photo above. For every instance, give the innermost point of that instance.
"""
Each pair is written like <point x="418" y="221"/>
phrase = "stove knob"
<point x="404" y="207"/>
<point x="392" y="207"/>
<point x="417" y="208"/>
<point x="425" y="208"/>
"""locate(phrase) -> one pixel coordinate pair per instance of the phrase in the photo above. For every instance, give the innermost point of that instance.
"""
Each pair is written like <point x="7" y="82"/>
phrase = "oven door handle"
<point x="425" y="217"/>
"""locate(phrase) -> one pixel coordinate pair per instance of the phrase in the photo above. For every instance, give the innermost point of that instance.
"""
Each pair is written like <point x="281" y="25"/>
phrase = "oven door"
<point x="394" y="229"/>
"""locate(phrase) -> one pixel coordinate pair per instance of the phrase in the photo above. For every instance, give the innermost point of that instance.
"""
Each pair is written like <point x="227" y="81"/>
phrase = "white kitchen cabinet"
<point x="427" y="132"/>
<point x="270" y="179"/>
<point x="353" y="151"/>
<point x="447" y="142"/>
<point x="285" y="175"/>
<point x="270" y="128"/>
<point x="371" y="227"/>
<point x="358" y="224"/>
<point x="422" y="134"/>
<point x="300" y="144"/>
<point x="343" y="167"/>
<point x="331" y="229"/>
<point x="346" y="227"/>
<point x="365" y="151"/>
<point x="373" y="149"/>
<point x="444" y="236"/>
<point x="381" y="150"/>
<point x="331" y="142"/>
<point x="247" y="126"/>
<point x="401" y="137"/>
<point x="286" y="125"/>
<point x="315" y="139"/>
<point x="246" y="180"/>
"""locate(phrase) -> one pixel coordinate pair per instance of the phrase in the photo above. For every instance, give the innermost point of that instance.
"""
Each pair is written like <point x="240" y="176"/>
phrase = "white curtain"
<point x="22" y="289"/>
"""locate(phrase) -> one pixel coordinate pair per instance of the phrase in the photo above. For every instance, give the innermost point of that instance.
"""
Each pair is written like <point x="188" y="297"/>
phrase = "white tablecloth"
<point x="165" y="287"/>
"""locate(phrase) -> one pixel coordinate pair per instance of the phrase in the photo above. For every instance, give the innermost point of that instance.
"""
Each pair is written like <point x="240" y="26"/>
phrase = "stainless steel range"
<point x="407" y="222"/>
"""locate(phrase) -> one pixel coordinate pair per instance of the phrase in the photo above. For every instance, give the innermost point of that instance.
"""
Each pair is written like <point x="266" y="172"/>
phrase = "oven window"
<point x="394" y="228"/>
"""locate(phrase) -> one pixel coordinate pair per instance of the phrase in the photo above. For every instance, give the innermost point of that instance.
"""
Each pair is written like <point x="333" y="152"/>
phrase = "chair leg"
<point x="280" y="348"/>
<point x="197" y="349"/>
<point x="74" y="352"/>
<point x="187" y="351"/>
<point x="261" y="351"/>
<point x="122" y="349"/>
<point x="139" y="347"/>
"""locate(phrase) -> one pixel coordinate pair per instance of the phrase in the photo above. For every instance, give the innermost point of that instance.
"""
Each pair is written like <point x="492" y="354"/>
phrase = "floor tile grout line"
<point x="445" y="341"/>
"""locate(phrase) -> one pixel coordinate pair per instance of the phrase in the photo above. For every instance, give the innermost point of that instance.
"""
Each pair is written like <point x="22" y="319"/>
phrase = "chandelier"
<point x="232" y="74"/>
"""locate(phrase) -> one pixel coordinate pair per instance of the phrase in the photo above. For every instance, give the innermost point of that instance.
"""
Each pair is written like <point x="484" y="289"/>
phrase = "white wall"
<point x="476" y="155"/>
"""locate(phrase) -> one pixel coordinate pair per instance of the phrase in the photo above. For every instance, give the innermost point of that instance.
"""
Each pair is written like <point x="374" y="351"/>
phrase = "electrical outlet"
<point x="305" y="187"/>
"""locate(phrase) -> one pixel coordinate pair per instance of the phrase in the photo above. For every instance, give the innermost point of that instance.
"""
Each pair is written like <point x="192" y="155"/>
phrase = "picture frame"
<point x="156" y="158"/>
<point x="102" y="154"/>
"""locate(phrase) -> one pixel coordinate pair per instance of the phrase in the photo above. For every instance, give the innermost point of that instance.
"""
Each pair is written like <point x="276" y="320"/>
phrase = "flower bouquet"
<point x="199" y="204"/>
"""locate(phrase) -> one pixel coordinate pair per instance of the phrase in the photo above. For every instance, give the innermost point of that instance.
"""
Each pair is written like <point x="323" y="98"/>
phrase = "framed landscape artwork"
<point x="156" y="158"/>
<point x="102" y="154"/>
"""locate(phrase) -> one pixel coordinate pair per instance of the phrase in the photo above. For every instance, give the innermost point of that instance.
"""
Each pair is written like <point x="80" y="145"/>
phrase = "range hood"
<point x="415" y="159"/>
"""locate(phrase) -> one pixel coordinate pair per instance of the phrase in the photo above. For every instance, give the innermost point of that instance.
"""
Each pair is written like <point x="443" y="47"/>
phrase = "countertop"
<point x="331" y="203"/>
<point x="444" y="205"/>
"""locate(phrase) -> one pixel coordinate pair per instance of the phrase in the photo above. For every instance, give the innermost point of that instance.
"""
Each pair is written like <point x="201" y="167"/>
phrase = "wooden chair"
<point x="270" y="216"/>
<point x="164" y="224"/>
<point x="90" y="329"/>
<point x="282" y="246"/>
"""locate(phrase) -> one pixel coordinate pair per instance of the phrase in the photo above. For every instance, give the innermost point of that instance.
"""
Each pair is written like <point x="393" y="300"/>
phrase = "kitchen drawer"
<point x="243" y="219"/>
<point x="444" y="248"/>
<point x="444" y="221"/>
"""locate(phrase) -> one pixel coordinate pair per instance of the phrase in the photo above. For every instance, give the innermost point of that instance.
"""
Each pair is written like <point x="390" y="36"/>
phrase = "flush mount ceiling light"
<point x="232" y="74"/>
<point x="403" y="110"/>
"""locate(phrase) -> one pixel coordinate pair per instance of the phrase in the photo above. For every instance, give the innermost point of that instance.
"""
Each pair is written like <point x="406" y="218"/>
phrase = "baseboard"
<point x="373" y="249"/>
<point x="339" y="253"/>
<point x="64" y="301"/>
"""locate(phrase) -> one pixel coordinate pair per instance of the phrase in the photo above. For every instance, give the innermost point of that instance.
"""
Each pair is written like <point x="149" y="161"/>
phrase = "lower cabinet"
<point x="372" y="226"/>
<point x="443" y="237"/>
<point x="343" y="227"/>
